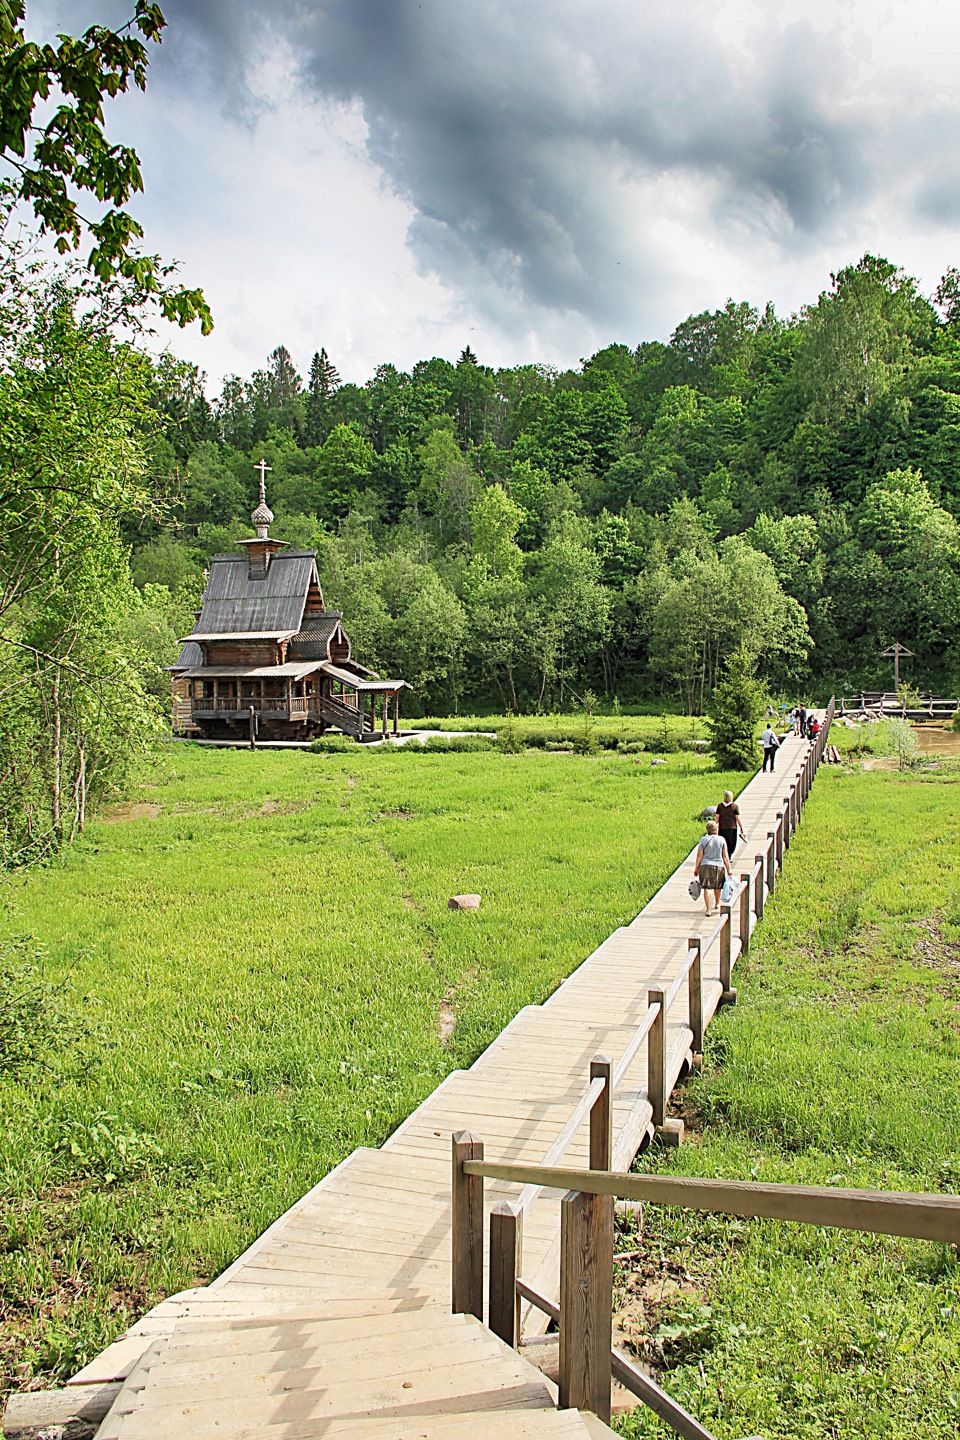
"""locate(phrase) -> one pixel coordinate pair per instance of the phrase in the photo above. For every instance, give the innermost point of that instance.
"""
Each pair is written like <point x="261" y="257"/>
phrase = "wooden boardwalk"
<point x="337" y="1321"/>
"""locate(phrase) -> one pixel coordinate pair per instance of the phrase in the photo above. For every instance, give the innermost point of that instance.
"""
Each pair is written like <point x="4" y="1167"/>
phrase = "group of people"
<point x="805" y="722"/>
<point x="716" y="848"/>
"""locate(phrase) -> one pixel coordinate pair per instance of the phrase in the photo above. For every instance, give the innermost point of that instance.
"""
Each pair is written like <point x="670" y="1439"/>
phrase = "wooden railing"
<point x="588" y="1360"/>
<point x="346" y="716"/>
<point x="209" y="705"/>
<point x="587" y="1221"/>
<point x="890" y="703"/>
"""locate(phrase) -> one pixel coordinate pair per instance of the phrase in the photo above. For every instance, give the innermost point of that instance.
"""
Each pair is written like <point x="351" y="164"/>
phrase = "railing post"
<point x="771" y="860"/>
<point x="726" y="961"/>
<point x="745" y="879"/>
<point x="586" y="1302"/>
<point x="657" y="1057"/>
<point x="467" y="1228"/>
<point x="795" y="806"/>
<point x="761" y="861"/>
<point x="601" y="1115"/>
<point x="506" y="1258"/>
<point x="695" y="994"/>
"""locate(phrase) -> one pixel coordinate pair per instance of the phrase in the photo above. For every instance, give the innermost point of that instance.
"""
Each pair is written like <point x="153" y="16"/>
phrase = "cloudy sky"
<point x="394" y="179"/>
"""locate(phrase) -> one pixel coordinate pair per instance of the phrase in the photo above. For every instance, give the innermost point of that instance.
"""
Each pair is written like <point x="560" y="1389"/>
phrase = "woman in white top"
<point x="712" y="862"/>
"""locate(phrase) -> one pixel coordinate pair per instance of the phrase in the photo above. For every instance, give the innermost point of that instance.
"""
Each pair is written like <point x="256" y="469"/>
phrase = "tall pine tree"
<point x="323" y="382"/>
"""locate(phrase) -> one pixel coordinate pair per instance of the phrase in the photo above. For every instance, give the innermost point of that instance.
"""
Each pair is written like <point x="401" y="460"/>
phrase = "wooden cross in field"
<point x="896" y="652"/>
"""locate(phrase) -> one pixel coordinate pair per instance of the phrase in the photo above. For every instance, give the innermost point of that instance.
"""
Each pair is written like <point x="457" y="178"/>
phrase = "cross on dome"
<point x="262" y="516"/>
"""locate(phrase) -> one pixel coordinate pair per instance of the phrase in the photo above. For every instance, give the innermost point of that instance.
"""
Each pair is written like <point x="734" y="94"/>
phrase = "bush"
<point x="509" y="740"/>
<point x="456" y="744"/>
<point x="633" y="747"/>
<point x="333" y="745"/>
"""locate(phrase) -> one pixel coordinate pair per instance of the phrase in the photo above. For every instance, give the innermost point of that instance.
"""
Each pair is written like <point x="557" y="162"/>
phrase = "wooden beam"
<point x="746" y="879"/>
<point x="726" y="949"/>
<point x="506" y="1258"/>
<point x="586" y="1302"/>
<point x="878" y="1212"/>
<point x="626" y="1373"/>
<point x="467" y="1228"/>
<point x="695" y="995"/>
<point x="74" y="1414"/>
<point x="657" y="1056"/>
<point x="601" y="1115"/>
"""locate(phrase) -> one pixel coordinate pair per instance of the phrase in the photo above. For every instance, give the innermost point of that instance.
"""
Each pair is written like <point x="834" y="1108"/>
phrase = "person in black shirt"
<point x="728" y="821"/>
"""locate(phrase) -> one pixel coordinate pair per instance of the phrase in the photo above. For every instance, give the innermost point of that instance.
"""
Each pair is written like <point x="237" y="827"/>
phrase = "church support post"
<point x="386" y="712"/>
<point x="396" y="712"/>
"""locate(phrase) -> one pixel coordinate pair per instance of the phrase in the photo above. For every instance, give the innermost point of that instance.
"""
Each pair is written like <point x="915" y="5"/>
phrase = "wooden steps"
<point x="423" y="1373"/>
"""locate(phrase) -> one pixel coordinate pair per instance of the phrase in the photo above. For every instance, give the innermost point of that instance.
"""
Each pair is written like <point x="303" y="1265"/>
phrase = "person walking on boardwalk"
<point x="712" y="863"/>
<point x="770" y="745"/>
<point x="728" y="821"/>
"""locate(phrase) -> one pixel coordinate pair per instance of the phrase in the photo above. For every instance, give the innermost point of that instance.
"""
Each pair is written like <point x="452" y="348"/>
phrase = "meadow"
<point x="838" y="1066"/>
<point x="249" y="968"/>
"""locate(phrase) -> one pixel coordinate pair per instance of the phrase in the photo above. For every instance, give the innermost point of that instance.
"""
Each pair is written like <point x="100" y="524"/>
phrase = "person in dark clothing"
<point x="803" y="721"/>
<point x="770" y="745"/>
<point x="728" y="821"/>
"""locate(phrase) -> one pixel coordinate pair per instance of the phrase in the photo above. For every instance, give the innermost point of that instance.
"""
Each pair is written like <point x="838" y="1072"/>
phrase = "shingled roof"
<point x="235" y="604"/>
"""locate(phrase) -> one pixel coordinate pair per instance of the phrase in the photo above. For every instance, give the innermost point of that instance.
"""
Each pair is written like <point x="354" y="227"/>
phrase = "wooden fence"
<point x="584" y="1313"/>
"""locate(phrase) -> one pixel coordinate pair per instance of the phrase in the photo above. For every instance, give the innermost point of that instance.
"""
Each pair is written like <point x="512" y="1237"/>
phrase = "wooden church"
<point x="266" y="659"/>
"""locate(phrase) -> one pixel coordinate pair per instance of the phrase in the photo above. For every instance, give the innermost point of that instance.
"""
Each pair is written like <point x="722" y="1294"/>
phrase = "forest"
<point x="514" y="538"/>
<point x="782" y="489"/>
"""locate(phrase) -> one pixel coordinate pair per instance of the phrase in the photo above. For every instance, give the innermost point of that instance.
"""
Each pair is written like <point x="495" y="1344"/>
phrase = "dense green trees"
<point x="80" y="647"/>
<point x="791" y="485"/>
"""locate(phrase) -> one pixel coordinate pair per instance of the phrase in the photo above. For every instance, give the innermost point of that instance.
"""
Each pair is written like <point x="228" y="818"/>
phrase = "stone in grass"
<point x="464" y="902"/>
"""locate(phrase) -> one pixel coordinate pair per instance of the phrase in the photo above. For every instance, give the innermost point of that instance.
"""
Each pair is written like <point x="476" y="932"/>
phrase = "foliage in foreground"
<point x="838" y="1066"/>
<point x="259" y="948"/>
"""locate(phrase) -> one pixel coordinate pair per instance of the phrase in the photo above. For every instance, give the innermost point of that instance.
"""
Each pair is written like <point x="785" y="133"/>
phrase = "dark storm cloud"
<point x="516" y="131"/>
<point x="541" y="142"/>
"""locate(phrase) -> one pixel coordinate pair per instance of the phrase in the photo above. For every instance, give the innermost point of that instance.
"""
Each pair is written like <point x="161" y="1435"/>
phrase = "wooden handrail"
<point x="641" y="1033"/>
<point x="560" y="1145"/>
<point x="915" y="1215"/>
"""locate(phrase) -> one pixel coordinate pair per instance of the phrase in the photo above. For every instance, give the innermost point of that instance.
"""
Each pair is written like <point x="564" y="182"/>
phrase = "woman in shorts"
<point x="712" y="865"/>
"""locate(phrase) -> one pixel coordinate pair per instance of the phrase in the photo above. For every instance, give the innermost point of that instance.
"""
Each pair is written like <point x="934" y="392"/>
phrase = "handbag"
<point x="694" y="888"/>
<point x="726" y="894"/>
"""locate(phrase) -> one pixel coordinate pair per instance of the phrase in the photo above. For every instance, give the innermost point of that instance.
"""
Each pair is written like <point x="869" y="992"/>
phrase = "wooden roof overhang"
<point x="212" y="637"/>
<point x="354" y="682"/>
<point x="292" y="670"/>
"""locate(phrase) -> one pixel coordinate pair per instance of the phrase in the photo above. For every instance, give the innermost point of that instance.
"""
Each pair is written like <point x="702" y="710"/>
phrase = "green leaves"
<point x="71" y="153"/>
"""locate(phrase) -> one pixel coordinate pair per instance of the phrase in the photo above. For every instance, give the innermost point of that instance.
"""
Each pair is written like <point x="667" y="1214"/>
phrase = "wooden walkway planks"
<point x="337" y="1321"/>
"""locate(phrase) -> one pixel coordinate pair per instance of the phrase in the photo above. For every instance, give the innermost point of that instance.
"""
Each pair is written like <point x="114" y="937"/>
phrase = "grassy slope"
<point x="261" y="966"/>
<point x="839" y="1065"/>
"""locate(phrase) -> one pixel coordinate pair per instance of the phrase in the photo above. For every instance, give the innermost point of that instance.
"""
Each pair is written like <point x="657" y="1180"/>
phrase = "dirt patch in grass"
<point x="394" y="815"/>
<point x="131" y="810"/>
<point x="934" y="950"/>
<point x="447" y="1018"/>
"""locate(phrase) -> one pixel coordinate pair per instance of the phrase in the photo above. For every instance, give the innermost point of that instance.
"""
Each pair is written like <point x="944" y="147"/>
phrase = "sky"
<point x="396" y="179"/>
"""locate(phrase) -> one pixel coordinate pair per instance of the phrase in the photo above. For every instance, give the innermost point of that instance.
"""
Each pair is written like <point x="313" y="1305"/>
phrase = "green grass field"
<point x="838" y="1066"/>
<point x="259" y="947"/>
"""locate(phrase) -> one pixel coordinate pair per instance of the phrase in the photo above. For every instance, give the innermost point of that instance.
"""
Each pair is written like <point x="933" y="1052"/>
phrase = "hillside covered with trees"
<point x="513" y="537"/>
